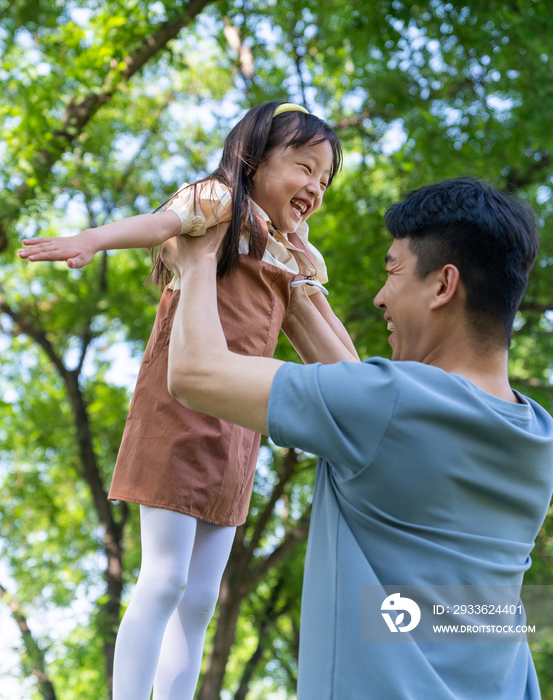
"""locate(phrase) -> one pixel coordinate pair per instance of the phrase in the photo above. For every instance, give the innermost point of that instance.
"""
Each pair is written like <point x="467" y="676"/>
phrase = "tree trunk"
<point x="267" y="618"/>
<point x="250" y="667"/>
<point x="34" y="654"/>
<point x="108" y="617"/>
<point x="242" y="575"/>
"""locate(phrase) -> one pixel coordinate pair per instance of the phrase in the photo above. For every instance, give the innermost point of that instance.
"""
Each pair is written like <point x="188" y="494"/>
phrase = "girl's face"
<point x="289" y="185"/>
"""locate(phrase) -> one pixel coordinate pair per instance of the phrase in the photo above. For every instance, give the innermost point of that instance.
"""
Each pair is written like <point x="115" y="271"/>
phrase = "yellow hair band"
<point x="288" y="107"/>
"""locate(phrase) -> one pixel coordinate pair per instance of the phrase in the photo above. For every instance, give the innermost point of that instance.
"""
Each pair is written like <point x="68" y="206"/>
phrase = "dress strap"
<point x="264" y="230"/>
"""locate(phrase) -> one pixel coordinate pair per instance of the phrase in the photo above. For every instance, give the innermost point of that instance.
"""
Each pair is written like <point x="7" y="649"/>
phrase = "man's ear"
<point x="447" y="284"/>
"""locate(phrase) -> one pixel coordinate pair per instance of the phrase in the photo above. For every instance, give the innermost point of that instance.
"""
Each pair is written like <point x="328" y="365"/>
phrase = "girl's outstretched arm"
<point x="143" y="231"/>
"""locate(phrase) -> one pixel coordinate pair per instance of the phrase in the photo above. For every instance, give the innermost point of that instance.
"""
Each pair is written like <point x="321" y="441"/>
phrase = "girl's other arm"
<point x="315" y="331"/>
<point x="143" y="231"/>
<point x="321" y="304"/>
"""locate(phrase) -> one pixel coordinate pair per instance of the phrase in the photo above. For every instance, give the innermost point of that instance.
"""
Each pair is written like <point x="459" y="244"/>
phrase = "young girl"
<point x="192" y="474"/>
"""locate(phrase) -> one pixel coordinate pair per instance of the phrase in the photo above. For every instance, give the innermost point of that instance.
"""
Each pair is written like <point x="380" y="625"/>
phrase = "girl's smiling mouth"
<point x="300" y="206"/>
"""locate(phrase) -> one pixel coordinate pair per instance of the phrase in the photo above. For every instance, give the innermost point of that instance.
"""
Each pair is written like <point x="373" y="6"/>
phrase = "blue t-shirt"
<point x="423" y="478"/>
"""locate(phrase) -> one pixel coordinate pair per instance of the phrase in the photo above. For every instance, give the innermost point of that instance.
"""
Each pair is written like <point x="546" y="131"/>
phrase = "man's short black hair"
<point x="491" y="238"/>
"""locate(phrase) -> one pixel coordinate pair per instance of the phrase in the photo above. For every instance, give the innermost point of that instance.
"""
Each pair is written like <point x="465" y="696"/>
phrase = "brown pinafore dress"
<point x="177" y="459"/>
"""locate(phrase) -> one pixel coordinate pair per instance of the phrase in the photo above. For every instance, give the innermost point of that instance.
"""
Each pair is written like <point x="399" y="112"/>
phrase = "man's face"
<point x="289" y="185"/>
<point x="406" y="300"/>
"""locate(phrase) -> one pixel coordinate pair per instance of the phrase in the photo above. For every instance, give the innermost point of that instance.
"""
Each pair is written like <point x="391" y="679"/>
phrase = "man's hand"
<point x="78" y="250"/>
<point x="182" y="252"/>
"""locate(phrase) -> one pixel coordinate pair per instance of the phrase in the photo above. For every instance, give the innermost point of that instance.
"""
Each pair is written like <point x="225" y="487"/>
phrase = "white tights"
<point x="161" y="638"/>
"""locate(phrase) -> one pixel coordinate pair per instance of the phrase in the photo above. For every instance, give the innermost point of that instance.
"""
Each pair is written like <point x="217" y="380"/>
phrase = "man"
<point x="431" y="470"/>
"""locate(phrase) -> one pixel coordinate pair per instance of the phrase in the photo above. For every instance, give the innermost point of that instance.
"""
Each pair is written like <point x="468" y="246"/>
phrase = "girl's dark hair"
<point x="249" y="143"/>
<point x="491" y="237"/>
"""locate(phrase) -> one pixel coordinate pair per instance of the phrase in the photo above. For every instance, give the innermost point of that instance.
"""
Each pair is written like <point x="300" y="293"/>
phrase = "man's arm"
<point x="203" y="374"/>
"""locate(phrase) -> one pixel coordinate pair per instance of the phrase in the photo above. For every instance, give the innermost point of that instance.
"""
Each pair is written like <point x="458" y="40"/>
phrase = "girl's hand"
<point x="78" y="250"/>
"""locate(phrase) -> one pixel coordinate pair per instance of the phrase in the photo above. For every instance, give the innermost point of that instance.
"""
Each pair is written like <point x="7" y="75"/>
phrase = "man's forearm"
<point x="197" y="338"/>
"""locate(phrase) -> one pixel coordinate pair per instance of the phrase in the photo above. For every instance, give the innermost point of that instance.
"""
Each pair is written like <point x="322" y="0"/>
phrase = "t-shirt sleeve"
<point x="339" y="412"/>
<point x="198" y="211"/>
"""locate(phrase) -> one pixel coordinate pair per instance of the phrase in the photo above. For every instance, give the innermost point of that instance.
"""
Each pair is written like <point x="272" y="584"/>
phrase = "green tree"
<point x="106" y="108"/>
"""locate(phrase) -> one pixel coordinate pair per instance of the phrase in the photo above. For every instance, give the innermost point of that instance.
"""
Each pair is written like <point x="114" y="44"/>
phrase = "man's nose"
<point x="379" y="300"/>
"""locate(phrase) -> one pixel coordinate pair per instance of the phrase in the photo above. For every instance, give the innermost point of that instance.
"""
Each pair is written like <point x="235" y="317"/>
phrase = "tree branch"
<point x="36" y="333"/>
<point x="300" y="78"/>
<point x="537" y="308"/>
<point x="110" y="205"/>
<point x="34" y="654"/>
<point x="238" y="581"/>
<point x="124" y="514"/>
<point x="533" y="382"/>
<point x="517" y="178"/>
<point x="78" y="114"/>
<point x="290" y="540"/>
<point x="84" y="435"/>
<point x="87" y="334"/>
<point x="295" y="641"/>
<point x="265" y="621"/>
<point x="245" y="58"/>
<point x="131" y="166"/>
<point x="287" y="471"/>
<point x="358" y="119"/>
<point x="85" y="342"/>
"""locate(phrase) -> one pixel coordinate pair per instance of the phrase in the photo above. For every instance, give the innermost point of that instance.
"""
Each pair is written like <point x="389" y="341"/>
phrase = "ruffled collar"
<point x="298" y="249"/>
